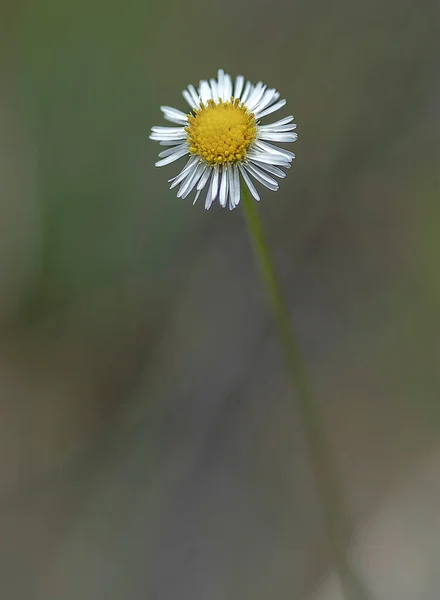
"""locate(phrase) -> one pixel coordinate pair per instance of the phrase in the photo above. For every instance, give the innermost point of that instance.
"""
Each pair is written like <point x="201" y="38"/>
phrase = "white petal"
<point x="205" y="91"/>
<point x="289" y="136"/>
<point x="189" y="99"/>
<point x="167" y="130"/>
<point x="239" y="83"/>
<point x="270" y="158"/>
<point x="224" y="187"/>
<point x="214" y="183"/>
<point x="209" y="199"/>
<point x="189" y="162"/>
<point x="270" y="168"/>
<point x="227" y="87"/>
<point x="270" y="96"/>
<point x="174" y="115"/>
<point x="196" y="197"/>
<point x="256" y="96"/>
<point x="232" y="192"/>
<point x="169" y="159"/>
<point x="206" y="175"/>
<point x="188" y="185"/>
<point x="214" y="90"/>
<point x="168" y="133"/>
<point x="262" y="177"/>
<point x="184" y="173"/>
<point x="171" y="150"/>
<point x="204" y="170"/>
<point x="249" y="183"/>
<point x="221" y="83"/>
<point x="247" y="90"/>
<point x="178" y="139"/>
<point x="277" y="128"/>
<point x="169" y="142"/>
<point x="270" y="148"/>
<point x="280" y="122"/>
<point x="194" y="95"/>
<point x="270" y="109"/>
<point x="160" y="137"/>
<point x="236" y="185"/>
<point x="186" y="182"/>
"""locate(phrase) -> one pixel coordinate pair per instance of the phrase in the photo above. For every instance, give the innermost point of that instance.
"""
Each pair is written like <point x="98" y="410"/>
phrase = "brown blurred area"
<point x="150" y="444"/>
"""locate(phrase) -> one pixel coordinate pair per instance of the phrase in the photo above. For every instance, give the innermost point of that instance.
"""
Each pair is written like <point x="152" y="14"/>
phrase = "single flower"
<point x="225" y="140"/>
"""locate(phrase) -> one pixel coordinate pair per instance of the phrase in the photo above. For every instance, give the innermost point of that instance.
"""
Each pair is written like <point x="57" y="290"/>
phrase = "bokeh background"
<point x="150" y="443"/>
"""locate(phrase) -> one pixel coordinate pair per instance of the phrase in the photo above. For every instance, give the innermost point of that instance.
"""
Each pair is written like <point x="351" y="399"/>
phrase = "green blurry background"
<point x="150" y="444"/>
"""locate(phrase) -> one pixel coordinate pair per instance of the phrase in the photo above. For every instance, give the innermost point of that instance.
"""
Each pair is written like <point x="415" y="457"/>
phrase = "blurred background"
<point x="150" y="443"/>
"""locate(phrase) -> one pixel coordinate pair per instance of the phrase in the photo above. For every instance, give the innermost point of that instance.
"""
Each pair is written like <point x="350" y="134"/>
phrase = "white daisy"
<point x="225" y="140"/>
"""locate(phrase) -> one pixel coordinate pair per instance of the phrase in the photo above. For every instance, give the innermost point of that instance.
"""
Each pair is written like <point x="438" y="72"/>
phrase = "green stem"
<point x="329" y="486"/>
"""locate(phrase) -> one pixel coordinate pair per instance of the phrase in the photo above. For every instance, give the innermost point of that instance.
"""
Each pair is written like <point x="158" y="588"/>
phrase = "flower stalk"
<point x="328" y="483"/>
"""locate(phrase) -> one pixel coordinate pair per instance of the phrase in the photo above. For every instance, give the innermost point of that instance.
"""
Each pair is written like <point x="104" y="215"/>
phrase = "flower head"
<point x="225" y="141"/>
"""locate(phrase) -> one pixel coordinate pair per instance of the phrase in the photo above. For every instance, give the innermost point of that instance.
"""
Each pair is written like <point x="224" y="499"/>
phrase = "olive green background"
<point x="150" y="444"/>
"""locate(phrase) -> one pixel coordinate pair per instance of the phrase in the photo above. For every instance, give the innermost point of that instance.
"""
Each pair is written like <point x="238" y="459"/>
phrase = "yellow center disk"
<point x="221" y="133"/>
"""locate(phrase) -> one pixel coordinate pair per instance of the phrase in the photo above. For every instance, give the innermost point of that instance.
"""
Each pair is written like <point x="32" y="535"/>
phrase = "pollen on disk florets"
<point x="221" y="132"/>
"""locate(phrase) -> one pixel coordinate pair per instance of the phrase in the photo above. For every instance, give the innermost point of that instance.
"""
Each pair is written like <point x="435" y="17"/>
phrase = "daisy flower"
<point x="225" y="140"/>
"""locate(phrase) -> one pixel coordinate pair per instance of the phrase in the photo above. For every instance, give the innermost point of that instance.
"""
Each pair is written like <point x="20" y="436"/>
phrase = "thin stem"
<point x="329" y="486"/>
